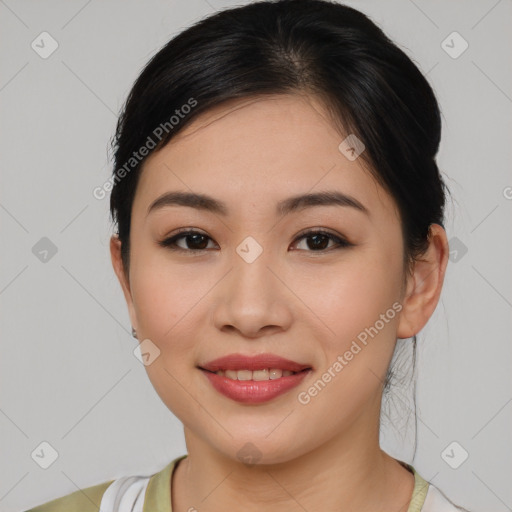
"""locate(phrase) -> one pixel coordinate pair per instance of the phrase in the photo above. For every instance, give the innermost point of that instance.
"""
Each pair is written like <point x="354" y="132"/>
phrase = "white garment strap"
<point x="126" y="494"/>
<point x="436" y="501"/>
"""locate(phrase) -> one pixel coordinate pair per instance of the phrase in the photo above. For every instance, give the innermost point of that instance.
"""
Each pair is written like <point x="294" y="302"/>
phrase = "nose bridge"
<point x="251" y="270"/>
<point x="252" y="297"/>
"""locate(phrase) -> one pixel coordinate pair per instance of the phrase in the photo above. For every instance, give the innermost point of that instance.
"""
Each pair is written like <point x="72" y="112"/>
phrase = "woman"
<point x="280" y="226"/>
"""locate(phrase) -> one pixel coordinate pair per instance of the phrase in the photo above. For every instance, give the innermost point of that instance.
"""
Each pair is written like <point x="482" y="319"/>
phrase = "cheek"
<point x="355" y="352"/>
<point x="358" y="301"/>
<point x="350" y="296"/>
<point x="167" y="297"/>
<point x="167" y="302"/>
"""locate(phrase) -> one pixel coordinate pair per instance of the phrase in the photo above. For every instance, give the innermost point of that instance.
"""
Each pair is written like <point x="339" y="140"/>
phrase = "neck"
<point x="349" y="472"/>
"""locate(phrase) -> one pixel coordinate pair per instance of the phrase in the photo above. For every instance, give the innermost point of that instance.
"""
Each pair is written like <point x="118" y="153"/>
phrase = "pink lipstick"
<point x="254" y="379"/>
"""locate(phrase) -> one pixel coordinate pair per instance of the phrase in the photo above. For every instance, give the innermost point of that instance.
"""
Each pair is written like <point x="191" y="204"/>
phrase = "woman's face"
<point x="252" y="284"/>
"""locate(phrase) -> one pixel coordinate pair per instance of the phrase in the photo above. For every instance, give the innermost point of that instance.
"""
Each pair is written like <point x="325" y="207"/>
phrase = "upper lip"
<point x="256" y="362"/>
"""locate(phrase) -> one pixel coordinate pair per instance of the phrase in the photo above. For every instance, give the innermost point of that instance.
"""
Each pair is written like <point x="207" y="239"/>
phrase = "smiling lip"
<point x="258" y="362"/>
<point x="254" y="391"/>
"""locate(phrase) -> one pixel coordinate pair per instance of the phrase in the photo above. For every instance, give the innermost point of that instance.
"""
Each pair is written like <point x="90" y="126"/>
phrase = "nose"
<point x="252" y="299"/>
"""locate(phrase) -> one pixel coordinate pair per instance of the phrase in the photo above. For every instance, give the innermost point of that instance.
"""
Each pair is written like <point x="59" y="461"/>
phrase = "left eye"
<point x="320" y="238"/>
<point x="197" y="241"/>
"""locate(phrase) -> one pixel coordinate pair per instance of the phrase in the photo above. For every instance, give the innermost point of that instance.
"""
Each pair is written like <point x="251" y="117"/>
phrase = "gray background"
<point x="68" y="373"/>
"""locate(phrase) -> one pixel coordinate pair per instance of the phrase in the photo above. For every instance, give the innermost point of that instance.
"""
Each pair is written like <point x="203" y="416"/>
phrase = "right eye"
<point x="195" y="240"/>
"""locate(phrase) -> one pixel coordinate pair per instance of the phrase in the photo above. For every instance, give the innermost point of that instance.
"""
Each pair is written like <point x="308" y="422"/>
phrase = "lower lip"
<point x="254" y="391"/>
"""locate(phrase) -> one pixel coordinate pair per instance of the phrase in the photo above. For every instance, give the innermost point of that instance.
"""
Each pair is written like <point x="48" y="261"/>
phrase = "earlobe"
<point x="424" y="285"/>
<point x="117" y="264"/>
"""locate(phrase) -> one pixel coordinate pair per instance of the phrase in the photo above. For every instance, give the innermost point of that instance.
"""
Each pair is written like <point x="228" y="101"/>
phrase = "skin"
<point x="294" y="300"/>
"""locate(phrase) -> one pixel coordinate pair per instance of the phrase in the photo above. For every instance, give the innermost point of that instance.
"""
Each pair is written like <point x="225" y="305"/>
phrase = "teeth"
<point x="244" y="374"/>
<point x="276" y="374"/>
<point x="231" y="374"/>
<point x="258" y="375"/>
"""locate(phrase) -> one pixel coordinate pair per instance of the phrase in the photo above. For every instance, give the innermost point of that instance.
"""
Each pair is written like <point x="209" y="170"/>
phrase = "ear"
<point x="117" y="263"/>
<point x="424" y="285"/>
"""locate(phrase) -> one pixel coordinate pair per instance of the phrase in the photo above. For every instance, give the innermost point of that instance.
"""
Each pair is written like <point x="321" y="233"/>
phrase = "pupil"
<point x="315" y="245"/>
<point x="195" y="237"/>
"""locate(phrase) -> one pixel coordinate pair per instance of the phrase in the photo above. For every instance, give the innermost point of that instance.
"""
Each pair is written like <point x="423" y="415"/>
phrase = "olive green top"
<point x="158" y="494"/>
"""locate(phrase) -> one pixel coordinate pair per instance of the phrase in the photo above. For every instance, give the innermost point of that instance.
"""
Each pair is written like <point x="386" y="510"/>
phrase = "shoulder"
<point x="83" y="500"/>
<point x="428" y="498"/>
<point x="436" y="501"/>
<point x="138" y="492"/>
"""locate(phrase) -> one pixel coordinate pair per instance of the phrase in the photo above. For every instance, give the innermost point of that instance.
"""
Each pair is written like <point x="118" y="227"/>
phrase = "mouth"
<point x="254" y="379"/>
<point x="256" y="375"/>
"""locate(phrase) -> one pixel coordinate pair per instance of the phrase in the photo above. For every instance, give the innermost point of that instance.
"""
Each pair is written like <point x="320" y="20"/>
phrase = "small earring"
<point x="134" y="333"/>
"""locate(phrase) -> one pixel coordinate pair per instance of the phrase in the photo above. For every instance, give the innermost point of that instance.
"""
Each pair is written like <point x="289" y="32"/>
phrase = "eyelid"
<point x="169" y="241"/>
<point x="322" y="231"/>
<point x="340" y="240"/>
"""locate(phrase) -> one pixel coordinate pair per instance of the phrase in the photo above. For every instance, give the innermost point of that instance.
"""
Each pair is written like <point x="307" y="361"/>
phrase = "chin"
<point x="258" y="450"/>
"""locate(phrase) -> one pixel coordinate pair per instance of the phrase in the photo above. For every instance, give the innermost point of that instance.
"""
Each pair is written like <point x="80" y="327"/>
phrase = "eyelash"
<point x="170" y="243"/>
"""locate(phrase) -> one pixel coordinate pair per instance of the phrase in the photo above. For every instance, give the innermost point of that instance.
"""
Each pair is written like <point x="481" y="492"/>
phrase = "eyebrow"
<point x="284" y="207"/>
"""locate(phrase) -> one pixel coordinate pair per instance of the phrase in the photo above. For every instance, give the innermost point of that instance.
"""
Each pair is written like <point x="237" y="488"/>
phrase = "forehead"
<point x="260" y="150"/>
